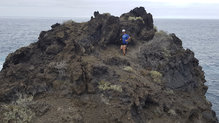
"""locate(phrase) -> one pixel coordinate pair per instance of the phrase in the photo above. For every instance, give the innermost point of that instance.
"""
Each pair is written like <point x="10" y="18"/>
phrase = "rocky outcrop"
<point x="75" y="72"/>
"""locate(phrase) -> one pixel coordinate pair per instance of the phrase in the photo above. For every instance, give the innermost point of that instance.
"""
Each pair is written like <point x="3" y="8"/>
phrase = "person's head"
<point x="123" y="30"/>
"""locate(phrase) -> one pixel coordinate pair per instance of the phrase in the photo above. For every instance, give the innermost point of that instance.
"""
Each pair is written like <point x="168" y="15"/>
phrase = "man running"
<point x="125" y="39"/>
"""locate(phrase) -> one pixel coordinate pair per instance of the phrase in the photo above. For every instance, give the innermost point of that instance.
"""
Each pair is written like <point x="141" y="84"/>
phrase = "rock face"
<point x="76" y="73"/>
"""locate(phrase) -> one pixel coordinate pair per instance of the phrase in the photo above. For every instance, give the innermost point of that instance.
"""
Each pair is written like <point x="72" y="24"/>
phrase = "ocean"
<point x="201" y="36"/>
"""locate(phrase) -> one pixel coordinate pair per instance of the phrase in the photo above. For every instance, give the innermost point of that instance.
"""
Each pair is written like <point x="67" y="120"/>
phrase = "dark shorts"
<point x="124" y="43"/>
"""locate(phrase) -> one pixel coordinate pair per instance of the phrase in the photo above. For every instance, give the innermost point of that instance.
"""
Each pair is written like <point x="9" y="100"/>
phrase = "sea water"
<point x="201" y="36"/>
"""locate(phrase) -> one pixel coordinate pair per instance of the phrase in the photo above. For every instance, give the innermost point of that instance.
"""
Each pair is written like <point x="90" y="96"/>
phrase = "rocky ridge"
<point x="75" y="72"/>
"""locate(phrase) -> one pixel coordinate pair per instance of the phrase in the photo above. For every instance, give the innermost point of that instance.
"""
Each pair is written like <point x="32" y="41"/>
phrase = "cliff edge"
<point x="76" y="73"/>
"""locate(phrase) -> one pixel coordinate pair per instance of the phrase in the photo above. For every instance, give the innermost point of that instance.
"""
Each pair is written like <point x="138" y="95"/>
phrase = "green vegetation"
<point x="108" y="86"/>
<point x="169" y="91"/>
<point x="128" y="68"/>
<point x="166" y="52"/>
<point x="135" y="18"/>
<point x="107" y="14"/>
<point x="172" y="112"/>
<point x="156" y="76"/>
<point x="155" y="28"/>
<point x="18" y="111"/>
<point x="122" y="80"/>
<point x="132" y="77"/>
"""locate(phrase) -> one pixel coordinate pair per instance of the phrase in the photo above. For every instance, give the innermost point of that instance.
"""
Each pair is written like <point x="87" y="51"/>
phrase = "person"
<point x="125" y="39"/>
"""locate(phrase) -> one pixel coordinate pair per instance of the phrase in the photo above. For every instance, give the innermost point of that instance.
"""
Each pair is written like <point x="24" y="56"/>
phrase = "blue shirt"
<point x="124" y="38"/>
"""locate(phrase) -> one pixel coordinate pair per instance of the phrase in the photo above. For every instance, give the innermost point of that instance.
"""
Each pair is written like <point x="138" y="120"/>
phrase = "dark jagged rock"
<point x="138" y="12"/>
<point x="179" y="68"/>
<point x="76" y="72"/>
<point x="55" y="25"/>
<point x="141" y="15"/>
<point x="96" y="13"/>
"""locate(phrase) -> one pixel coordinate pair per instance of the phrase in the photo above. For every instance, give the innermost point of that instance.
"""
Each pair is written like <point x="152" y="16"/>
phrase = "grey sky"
<point x="85" y="8"/>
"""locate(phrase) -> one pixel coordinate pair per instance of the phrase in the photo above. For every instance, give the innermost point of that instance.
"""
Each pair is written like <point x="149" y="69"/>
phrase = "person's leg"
<point x="124" y="46"/>
<point x="121" y="47"/>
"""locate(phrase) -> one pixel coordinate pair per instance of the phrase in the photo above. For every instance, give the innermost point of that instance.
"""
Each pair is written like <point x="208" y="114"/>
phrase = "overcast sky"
<point x="85" y="8"/>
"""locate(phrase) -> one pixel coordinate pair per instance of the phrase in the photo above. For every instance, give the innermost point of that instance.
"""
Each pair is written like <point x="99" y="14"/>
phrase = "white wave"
<point x="1" y="65"/>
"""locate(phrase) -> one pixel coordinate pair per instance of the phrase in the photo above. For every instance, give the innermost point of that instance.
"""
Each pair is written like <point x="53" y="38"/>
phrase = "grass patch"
<point x="156" y="76"/>
<point x="103" y="85"/>
<point x="18" y="111"/>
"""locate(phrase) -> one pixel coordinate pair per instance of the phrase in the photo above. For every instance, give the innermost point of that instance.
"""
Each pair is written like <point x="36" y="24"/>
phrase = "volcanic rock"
<point x="76" y="73"/>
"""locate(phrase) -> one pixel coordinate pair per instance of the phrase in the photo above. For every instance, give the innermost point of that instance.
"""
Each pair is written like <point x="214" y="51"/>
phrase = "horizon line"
<point x="88" y="17"/>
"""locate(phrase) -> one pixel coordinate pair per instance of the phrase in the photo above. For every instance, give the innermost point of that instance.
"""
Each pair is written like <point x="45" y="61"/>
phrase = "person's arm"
<point x="128" y="39"/>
